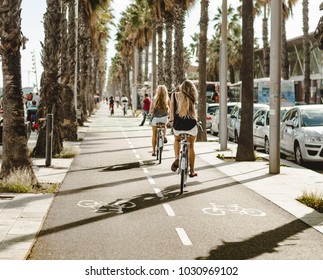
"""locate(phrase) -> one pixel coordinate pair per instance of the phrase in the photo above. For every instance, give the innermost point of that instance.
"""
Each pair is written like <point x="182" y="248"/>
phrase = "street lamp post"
<point x="275" y="84"/>
<point x="223" y="79"/>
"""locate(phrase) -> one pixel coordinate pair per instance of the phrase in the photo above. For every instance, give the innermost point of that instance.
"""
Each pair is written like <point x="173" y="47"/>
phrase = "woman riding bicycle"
<point x="159" y="112"/>
<point x="184" y="118"/>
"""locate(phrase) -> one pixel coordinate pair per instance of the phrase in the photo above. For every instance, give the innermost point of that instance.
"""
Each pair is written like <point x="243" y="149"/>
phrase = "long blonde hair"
<point x="186" y="99"/>
<point x="161" y="98"/>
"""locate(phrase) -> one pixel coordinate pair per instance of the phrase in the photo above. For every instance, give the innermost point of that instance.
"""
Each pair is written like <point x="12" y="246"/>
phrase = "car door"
<point x="231" y="121"/>
<point x="288" y="130"/>
<point x="258" y="128"/>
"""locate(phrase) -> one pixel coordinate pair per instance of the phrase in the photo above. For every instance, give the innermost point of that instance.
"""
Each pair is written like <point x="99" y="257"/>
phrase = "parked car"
<point x="261" y="127"/>
<point x="234" y="119"/>
<point x="211" y="109"/>
<point x="216" y="118"/>
<point x="301" y="133"/>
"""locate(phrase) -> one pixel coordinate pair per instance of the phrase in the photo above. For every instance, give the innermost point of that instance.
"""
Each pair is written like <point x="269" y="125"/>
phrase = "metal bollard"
<point x="49" y="139"/>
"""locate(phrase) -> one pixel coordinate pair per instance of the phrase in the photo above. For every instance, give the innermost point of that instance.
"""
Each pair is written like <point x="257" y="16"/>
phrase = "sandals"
<point x="165" y="140"/>
<point x="174" y="166"/>
<point x="153" y="154"/>
<point x="192" y="175"/>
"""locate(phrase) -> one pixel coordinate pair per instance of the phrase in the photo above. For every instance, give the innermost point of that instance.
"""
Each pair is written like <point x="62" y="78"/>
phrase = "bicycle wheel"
<point x="160" y="147"/>
<point x="182" y="181"/>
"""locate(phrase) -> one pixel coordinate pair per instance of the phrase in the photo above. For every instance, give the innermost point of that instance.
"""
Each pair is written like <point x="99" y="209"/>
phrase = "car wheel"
<point x="298" y="154"/>
<point x="266" y="145"/>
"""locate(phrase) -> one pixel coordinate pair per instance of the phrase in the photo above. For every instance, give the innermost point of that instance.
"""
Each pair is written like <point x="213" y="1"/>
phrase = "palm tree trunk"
<point x="202" y="69"/>
<point x="285" y="60"/>
<point x="51" y="91"/>
<point x="306" y="47"/>
<point x="245" y="150"/>
<point x="179" y="19"/>
<point x="15" y="151"/>
<point x="169" y="53"/>
<point x="161" y="78"/>
<point x="154" y="63"/>
<point x="67" y="76"/>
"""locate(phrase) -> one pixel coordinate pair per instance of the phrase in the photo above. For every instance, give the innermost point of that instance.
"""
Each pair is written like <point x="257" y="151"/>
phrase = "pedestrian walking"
<point x="145" y="108"/>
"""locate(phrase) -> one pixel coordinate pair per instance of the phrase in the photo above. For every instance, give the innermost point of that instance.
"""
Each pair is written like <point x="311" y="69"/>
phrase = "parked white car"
<point x="216" y="118"/>
<point x="211" y="109"/>
<point x="234" y="119"/>
<point x="261" y="127"/>
<point x="301" y="133"/>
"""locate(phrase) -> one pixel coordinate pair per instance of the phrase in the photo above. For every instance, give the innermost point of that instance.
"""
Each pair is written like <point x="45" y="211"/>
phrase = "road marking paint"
<point x="169" y="210"/>
<point x="151" y="180"/>
<point x="131" y="146"/>
<point x="141" y="161"/>
<point x="145" y="170"/>
<point x="137" y="156"/>
<point x="183" y="236"/>
<point x="158" y="192"/>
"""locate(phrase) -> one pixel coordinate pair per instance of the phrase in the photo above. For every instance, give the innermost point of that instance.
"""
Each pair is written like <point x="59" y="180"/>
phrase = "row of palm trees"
<point x="61" y="80"/>
<point x="142" y="25"/>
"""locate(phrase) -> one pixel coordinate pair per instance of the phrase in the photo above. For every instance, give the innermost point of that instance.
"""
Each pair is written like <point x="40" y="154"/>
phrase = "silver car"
<point x="216" y="118"/>
<point x="301" y="133"/>
<point x="234" y="119"/>
<point x="261" y="127"/>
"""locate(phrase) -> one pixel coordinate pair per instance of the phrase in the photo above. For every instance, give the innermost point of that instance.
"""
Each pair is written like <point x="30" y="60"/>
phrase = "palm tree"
<point x="51" y="89"/>
<point x="180" y="8"/>
<point x="15" y="151"/>
<point x="306" y="48"/>
<point x="68" y="71"/>
<point x="234" y="39"/>
<point x="265" y="5"/>
<point x="202" y="136"/>
<point x="287" y="10"/>
<point x="245" y="150"/>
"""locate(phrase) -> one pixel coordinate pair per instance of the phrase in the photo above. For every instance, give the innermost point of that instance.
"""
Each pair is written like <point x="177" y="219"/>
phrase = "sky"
<point x="32" y="27"/>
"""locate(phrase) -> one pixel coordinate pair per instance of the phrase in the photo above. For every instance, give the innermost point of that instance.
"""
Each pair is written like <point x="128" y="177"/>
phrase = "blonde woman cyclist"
<point x="159" y="112"/>
<point x="183" y="115"/>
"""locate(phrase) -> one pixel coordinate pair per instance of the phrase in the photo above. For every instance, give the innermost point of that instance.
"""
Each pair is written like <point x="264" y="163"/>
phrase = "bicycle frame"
<point x="183" y="161"/>
<point x="160" y="140"/>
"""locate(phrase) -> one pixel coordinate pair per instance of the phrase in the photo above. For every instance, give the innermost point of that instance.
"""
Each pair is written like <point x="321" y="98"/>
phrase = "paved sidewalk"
<point x="22" y="215"/>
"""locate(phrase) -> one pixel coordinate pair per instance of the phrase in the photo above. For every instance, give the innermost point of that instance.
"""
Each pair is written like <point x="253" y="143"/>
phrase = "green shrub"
<point x="312" y="200"/>
<point x="68" y="152"/>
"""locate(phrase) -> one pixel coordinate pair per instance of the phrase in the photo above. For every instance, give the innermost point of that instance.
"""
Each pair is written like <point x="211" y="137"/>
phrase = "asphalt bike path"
<point x="117" y="202"/>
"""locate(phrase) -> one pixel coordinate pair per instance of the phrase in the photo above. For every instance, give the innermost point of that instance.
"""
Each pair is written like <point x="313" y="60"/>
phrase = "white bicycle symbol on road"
<point x="99" y="206"/>
<point x="220" y="210"/>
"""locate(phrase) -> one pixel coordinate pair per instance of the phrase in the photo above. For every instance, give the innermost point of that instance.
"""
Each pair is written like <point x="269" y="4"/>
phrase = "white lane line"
<point x="131" y="146"/>
<point x="134" y="151"/>
<point x="145" y="170"/>
<point x="183" y="236"/>
<point x="158" y="192"/>
<point x="151" y="180"/>
<point x="169" y="210"/>
<point x="141" y="161"/>
<point x="137" y="156"/>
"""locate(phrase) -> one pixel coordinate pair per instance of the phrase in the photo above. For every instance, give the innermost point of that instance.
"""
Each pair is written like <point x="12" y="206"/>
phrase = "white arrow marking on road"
<point x="183" y="236"/>
<point x="169" y="210"/>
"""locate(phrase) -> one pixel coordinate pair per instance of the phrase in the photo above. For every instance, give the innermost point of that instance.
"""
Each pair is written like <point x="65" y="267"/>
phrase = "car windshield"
<point x="312" y="117"/>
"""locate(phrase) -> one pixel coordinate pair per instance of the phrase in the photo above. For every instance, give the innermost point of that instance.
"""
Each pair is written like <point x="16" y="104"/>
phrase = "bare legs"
<point x="191" y="152"/>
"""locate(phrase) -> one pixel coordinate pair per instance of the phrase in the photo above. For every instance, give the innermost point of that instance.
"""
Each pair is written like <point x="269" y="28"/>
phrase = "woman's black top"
<point x="182" y="123"/>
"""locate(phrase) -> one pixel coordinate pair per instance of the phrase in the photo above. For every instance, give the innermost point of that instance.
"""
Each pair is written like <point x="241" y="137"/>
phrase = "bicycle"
<point x="124" y="108"/>
<point x="183" y="161"/>
<point x="160" y="140"/>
